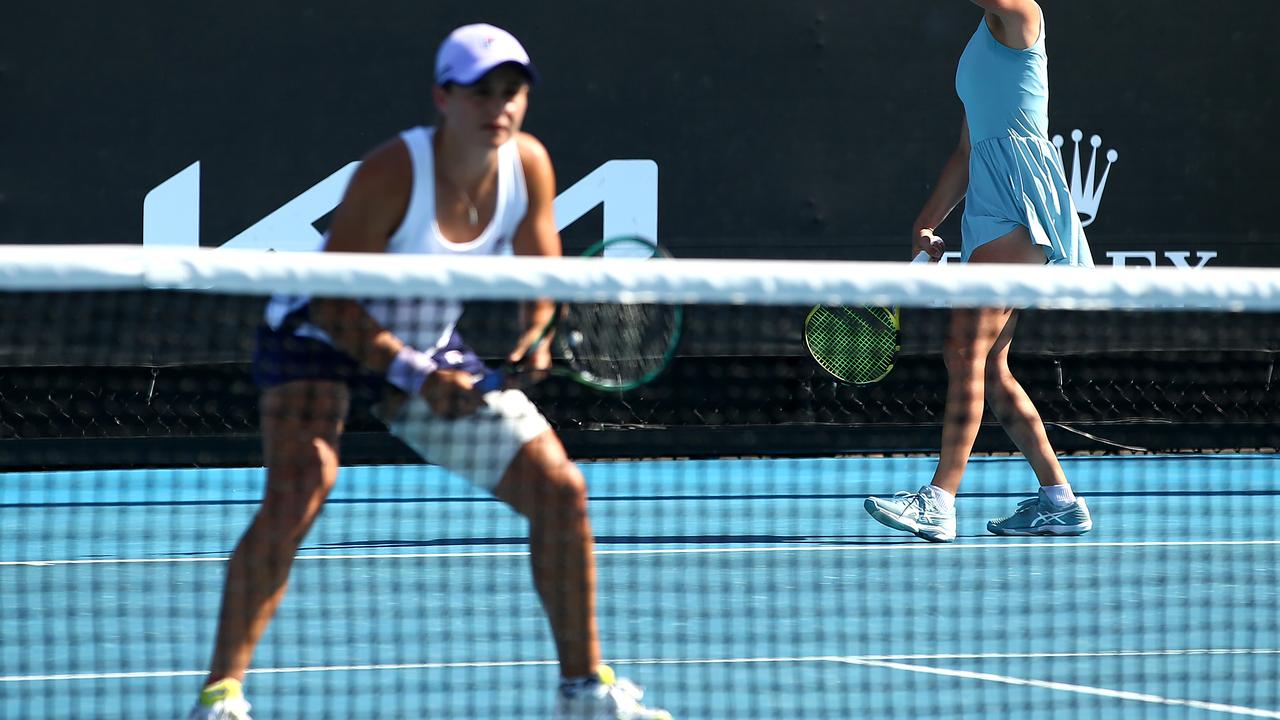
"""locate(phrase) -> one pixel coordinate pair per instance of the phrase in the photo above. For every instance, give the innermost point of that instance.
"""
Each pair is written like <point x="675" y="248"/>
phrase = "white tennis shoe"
<point x="612" y="698"/>
<point x="223" y="700"/>
<point x="917" y="513"/>
<point x="1039" y="516"/>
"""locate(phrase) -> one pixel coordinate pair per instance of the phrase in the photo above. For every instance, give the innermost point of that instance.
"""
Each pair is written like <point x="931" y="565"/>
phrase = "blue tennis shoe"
<point x="917" y="513"/>
<point x="1038" y="516"/>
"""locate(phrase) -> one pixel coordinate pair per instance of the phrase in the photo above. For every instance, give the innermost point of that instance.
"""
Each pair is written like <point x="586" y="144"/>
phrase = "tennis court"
<point x="732" y="345"/>
<point x="730" y="588"/>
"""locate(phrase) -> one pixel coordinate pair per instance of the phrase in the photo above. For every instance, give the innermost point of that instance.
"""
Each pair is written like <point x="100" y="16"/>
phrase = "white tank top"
<point x="427" y="324"/>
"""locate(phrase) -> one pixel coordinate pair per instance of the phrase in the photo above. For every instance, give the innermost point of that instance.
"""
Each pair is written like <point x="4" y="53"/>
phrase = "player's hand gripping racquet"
<point x="605" y="346"/>
<point x="856" y="345"/>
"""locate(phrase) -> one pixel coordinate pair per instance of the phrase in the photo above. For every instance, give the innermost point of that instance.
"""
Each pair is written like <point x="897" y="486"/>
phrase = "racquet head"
<point x="855" y="345"/>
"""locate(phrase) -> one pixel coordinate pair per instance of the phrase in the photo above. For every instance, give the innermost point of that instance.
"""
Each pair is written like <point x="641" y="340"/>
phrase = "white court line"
<point x="880" y="661"/>
<point x="908" y="546"/>
<point x="1067" y="687"/>
<point x="863" y="659"/>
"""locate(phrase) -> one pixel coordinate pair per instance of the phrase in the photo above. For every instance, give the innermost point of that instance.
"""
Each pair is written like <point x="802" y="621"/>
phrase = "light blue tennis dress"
<point x="1015" y="173"/>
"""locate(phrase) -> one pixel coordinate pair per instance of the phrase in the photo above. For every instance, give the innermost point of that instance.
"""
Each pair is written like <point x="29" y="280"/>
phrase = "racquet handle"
<point x="922" y="256"/>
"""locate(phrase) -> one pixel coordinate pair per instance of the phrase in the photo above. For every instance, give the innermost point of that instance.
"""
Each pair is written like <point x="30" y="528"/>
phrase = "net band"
<point x="713" y="516"/>
<point x="736" y="282"/>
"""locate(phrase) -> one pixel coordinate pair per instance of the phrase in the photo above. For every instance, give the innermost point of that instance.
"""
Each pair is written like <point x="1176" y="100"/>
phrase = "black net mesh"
<point x="738" y="572"/>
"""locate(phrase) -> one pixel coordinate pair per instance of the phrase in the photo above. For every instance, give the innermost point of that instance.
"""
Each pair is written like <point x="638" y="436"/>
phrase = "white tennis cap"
<point x="473" y="50"/>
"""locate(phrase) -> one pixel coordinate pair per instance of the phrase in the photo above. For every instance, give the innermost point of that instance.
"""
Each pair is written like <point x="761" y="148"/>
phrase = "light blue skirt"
<point x="1019" y="181"/>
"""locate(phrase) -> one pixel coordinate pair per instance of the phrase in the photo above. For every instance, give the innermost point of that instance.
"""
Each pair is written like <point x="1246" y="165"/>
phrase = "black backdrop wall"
<point x="804" y="128"/>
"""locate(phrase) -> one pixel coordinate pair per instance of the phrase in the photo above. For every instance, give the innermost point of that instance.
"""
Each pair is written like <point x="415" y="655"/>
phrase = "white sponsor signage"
<point x="628" y="190"/>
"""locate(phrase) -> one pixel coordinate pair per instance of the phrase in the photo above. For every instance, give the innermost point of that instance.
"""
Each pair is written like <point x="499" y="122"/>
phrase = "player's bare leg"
<point x="1017" y="414"/>
<point x="301" y="423"/>
<point x="973" y="340"/>
<point x="547" y="488"/>
<point x="971" y="337"/>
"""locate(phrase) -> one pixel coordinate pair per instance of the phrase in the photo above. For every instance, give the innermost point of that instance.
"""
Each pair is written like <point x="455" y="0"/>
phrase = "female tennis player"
<point x="474" y="185"/>
<point x="1018" y="209"/>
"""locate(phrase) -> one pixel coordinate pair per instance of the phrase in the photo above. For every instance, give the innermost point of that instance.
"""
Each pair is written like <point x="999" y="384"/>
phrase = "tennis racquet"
<point x="605" y="346"/>
<point x="856" y="345"/>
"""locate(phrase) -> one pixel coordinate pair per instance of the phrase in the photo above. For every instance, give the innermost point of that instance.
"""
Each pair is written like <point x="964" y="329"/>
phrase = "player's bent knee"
<point x="287" y="519"/>
<point x="567" y="486"/>
<point x="1002" y="394"/>
<point x="557" y="493"/>
<point x="312" y="482"/>
<point x="999" y="382"/>
<point x="292" y="503"/>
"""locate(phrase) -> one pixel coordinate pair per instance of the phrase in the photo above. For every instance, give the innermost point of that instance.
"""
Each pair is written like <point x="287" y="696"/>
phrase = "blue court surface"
<point x="730" y="589"/>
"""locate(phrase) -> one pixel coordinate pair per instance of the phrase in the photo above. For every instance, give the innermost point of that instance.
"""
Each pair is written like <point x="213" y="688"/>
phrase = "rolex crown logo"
<point x="1087" y="187"/>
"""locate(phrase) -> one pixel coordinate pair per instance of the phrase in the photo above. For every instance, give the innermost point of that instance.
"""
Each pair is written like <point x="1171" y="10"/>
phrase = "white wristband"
<point x="409" y="369"/>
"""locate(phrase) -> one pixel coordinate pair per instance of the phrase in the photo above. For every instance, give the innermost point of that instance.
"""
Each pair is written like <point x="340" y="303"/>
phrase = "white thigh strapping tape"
<point x="479" y="446"/>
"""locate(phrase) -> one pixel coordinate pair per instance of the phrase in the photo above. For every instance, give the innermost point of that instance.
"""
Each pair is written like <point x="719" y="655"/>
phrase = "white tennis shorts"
<point x="479" y="446"/>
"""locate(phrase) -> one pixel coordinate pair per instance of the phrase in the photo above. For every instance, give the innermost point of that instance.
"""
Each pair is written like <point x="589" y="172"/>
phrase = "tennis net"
<point x="740" y="572"/>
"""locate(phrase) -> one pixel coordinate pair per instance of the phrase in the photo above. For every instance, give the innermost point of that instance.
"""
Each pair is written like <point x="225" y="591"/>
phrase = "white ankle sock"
<point x="570" y="687"/>
<point x="945" y="500"/>
<point x="1058" y="495"/>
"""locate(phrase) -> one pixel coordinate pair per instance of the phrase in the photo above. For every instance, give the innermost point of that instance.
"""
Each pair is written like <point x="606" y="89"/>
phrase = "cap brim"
<point x="527" y="68"/>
